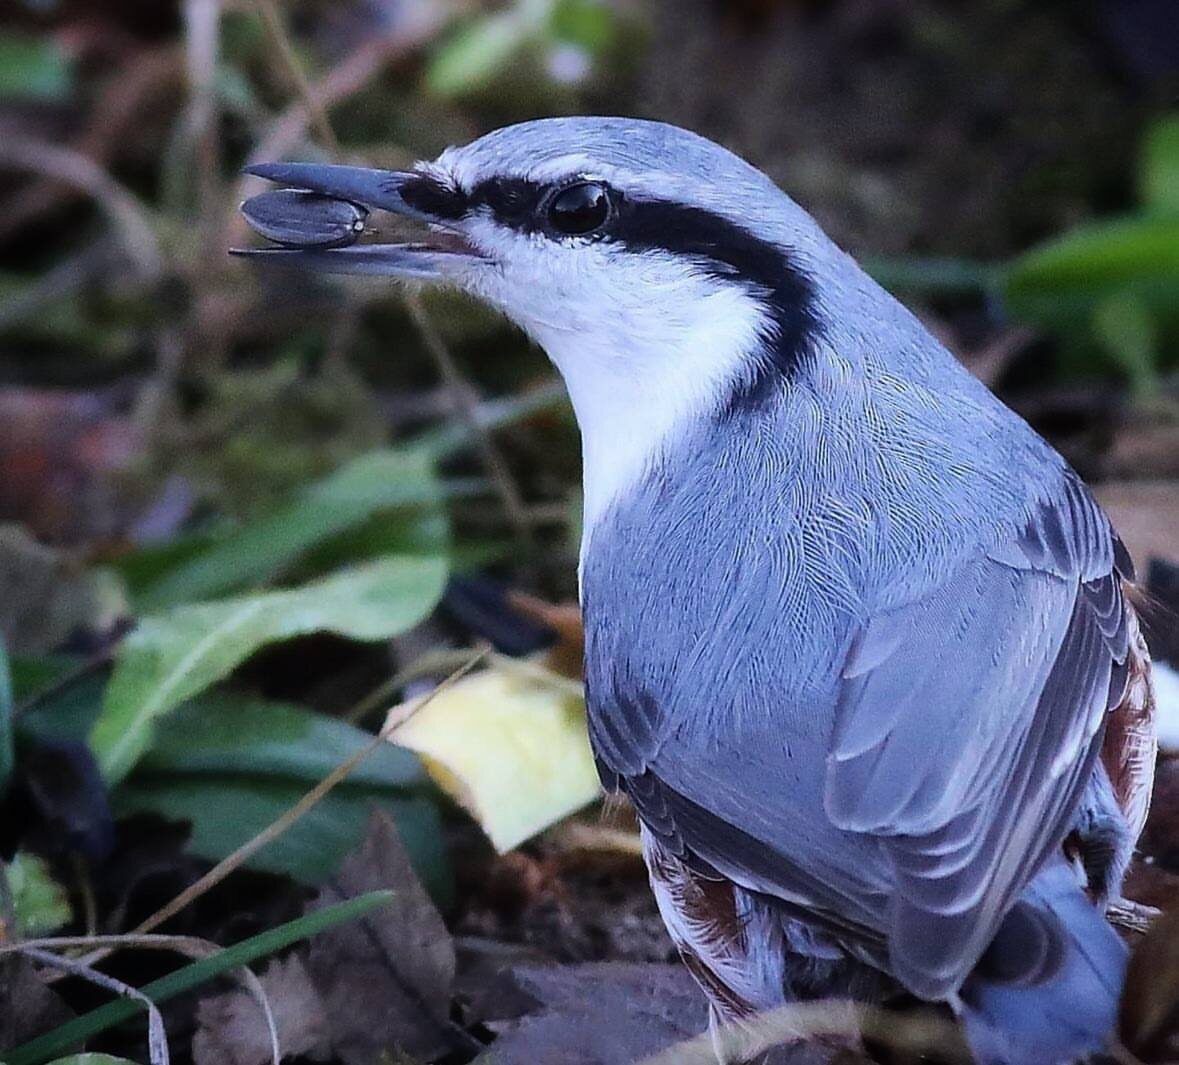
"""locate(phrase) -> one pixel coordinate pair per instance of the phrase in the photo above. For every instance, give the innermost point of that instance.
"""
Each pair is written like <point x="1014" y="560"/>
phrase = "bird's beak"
<point x="320" y="213"/>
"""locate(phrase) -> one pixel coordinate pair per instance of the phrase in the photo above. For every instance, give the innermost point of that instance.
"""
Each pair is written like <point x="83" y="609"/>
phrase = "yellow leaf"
<point x="510" y="747"/>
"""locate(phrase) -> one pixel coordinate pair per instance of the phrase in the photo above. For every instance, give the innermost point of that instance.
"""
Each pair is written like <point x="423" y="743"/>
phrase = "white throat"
<point x="635" y="390"/>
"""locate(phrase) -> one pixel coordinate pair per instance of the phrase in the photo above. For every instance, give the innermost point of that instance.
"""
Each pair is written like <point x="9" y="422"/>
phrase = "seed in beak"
<point x="297" y="218"/>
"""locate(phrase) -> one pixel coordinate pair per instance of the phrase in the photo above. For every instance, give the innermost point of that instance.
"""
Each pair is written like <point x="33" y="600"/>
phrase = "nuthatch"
<point x="858" y="641"/>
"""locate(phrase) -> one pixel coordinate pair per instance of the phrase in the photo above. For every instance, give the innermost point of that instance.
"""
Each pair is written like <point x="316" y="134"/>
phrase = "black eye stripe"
<point x="430" y="196"/>
<point x="720" y="246"/>
<point x="513" y="201"/>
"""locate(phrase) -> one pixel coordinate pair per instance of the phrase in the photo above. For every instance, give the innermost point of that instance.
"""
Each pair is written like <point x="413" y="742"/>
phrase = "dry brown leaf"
<point x="27" y="1007"/>
<point x="610" y="1013"/>
<point x="48" y="595"/>
<point x="64" y="460"/>
<point x="1160" y="839"/>
<point x="385" y="980"/>
<point x="1148" y="1023"/>
<point x="232" y="1031"/>
<point x="565" y="656"/>
<point x="600" y="1014"/>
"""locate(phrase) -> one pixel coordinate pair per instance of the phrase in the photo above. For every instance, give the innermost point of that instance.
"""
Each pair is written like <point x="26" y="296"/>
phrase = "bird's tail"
<point x="1046" y="991"/>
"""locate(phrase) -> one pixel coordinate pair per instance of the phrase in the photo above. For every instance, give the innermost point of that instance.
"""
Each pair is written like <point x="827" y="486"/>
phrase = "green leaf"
<point x="1061" y="282"/>
<point x="1129" y="334"/>
<point x="171" y="657"/>
<point x="200" y="972"/>
<point x="419" y="532"/>
<point x="224" y="733"/>
<point x="930" y="276"/>
<point x="149" y="564"/>
<point x="1160" y="167"/>
<point x="380" y="480"/>
<point x="40" y="902"/>
<point x="33" y="67"/>
<point x="483" y="48"/>
<point x="454" y="435"/>
<point x="230" y="765"/>
<point x="7" y="752"/>
<point x="227" y="811"/>
<point x="68" y="713"/>
<point x="34" y="673"/>
<point x="588" y="23"/>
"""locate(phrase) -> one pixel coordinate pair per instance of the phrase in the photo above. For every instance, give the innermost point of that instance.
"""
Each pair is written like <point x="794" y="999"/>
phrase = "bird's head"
<point x="662" y="274"/>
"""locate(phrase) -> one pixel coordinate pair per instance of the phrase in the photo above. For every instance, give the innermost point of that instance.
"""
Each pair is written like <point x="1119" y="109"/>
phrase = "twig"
<point x="85" y="891"/>
<point x="348" y="77"/>
<point x="418" y="668"/>
<point x="201" y="24"/>
<point x="157" y="1039"/>
<point x="276" y="30"/>
<point x="145" y="79"/>
<point x="121" y="208"/>
<point x="828" y="1020"/>
<point x="1132" y="916"/>
<point x="60" y="281"/>
<point x="578" y="836"/>
<point x="189" y="946"/>
<point x="467" y="408"/>
<point x="538" y="674"/>
<point x="459" y="390"/>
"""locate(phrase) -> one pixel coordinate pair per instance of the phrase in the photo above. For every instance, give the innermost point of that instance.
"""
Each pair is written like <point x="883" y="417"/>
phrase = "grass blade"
<point x="44" y="1047"/>
<point x="7" y="756"/>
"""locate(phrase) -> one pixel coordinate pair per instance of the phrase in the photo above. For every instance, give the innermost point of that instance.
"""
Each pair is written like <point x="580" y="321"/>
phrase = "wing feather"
<point x="965" y="726"/>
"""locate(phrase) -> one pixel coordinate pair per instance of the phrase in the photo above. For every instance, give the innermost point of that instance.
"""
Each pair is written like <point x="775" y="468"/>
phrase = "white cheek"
<point x="644" y="342"/>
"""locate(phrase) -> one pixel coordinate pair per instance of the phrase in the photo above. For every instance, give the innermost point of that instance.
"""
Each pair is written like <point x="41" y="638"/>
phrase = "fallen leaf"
<point x="567" y="654"/>
<point x="1148" y="1021"/>
<point x="64" y="459"/>
<point x="48" y="597"/>
<point x="1160" y="839"/>
<point x="386" y="980"/>
<point x="510" y="747"/>
<point x="603" y="1013"/>
<point x="232" y="1031"/>
<point x="1149" y="884"/>
<point x="27" y="1007"/>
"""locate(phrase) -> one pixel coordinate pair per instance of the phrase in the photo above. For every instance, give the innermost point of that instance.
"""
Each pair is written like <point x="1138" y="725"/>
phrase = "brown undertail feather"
<point x="1130" y="746"/>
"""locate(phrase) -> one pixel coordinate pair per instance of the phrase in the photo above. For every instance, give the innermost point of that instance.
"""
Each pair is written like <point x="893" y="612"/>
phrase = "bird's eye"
<point x="579" y="209"/>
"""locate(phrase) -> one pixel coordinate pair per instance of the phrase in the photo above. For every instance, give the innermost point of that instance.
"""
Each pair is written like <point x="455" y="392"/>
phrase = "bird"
<point x="861" y="647"/>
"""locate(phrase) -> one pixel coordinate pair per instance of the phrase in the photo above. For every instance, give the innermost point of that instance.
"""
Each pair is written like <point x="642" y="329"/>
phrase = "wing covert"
<point x="965" y="727"/>
<point x="968" y="724"/>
